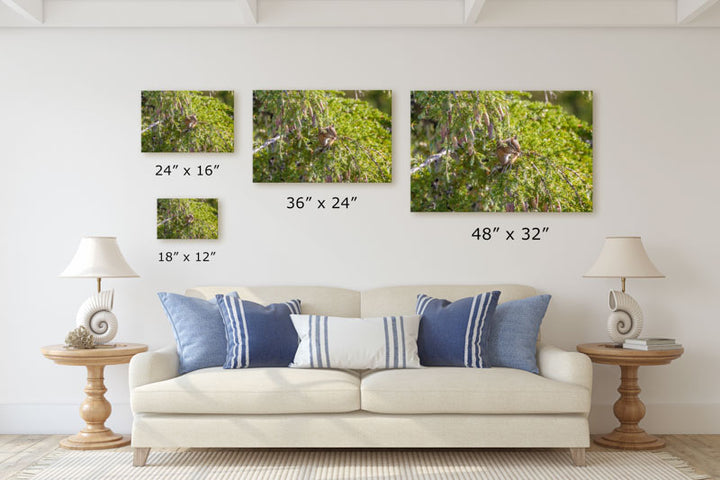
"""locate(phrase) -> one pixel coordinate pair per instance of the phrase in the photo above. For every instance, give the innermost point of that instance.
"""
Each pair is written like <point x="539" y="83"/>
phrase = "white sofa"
<point x="434" y="407"/>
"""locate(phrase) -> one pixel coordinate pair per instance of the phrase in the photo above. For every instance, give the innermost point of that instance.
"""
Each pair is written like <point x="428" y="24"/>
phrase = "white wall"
<point x="70" y="165"/>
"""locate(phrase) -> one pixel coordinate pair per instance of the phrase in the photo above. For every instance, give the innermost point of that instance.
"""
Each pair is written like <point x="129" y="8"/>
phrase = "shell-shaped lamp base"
<point x="96" y="315"/>
<point x="626" y="319"/>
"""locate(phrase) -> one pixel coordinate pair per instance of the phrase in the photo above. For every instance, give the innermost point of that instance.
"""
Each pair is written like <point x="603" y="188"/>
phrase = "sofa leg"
<point x="578" y="456"/>
<point x="140" y="456"/>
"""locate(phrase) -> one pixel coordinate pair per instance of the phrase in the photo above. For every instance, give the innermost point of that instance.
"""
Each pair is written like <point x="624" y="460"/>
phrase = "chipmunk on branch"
<point x="191" y="121"/>
<point x="326" y="137"/>
<point x="507" y="152"/>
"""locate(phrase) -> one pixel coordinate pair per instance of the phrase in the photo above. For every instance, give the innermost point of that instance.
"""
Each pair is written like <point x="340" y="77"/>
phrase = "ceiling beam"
<point x="689" y="10"/>
<point x="148" y="13"/>
<point x="472" y="10"/>
<point x="578" y="13"/>
<point x="249" y="8"/>
<point x="359" y="13"/>
<point x="30" y="9"/>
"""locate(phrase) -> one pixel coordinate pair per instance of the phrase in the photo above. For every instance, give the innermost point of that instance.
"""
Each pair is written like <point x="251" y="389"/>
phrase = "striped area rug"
<point x="357" y="464"/>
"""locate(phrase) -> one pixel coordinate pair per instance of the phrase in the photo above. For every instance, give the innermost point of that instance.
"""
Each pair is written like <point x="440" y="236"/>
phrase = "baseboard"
<point x="38" y="418"/>
<point x="668" y="418"/>
<point x="64" y="419"/>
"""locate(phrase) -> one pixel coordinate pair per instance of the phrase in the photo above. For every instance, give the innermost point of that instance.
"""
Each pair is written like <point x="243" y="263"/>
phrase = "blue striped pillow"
<point x="454" y="334"/>
<point x="356" y="343"/>
<point x="257" y="335"/>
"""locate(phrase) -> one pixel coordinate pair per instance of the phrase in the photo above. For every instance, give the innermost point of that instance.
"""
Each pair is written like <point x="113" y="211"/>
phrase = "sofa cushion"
<point x="340" y="302"/>
<point x="251" y="391"/>
<point x="402" y="300"/>
<point x="469" y="390"/>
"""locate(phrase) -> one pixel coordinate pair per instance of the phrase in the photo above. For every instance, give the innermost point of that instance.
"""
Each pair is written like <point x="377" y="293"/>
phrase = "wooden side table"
<point x="629" y="410"/>
<point x="95" y="409"/>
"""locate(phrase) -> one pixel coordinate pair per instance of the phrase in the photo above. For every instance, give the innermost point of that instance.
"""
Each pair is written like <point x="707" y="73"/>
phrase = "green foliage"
<point x="187" y="218"/>
<point x="456" y="137"/>
<point x="575" y="102"/>
<point x="287" y="136"/>
<point x="187" y="121"/>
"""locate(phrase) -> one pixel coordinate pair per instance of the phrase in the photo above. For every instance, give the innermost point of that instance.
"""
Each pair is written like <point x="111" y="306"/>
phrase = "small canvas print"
<point x="322" y="136"/>
<point x="188" y="121"/>
<point x="502" y="151"/>
<point x="187" y="218"/>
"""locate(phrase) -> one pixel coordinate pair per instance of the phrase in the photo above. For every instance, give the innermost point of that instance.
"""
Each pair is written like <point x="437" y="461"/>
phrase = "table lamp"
<point x="98" y="257"/>
<point x="623" y="257"/>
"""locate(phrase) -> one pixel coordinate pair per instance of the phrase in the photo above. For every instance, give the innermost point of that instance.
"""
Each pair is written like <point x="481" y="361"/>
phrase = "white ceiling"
<point x="359" y="13"/>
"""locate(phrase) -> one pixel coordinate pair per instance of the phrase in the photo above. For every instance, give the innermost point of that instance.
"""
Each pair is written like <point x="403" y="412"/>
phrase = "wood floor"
<point x="20" y="451"/>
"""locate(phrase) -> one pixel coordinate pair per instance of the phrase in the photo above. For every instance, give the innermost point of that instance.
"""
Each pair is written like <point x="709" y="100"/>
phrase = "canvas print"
<point x="187" y="218"/>
<point x="188" y="121"/>
<point x="502" y="151"/>
<point x="322" y="136"/>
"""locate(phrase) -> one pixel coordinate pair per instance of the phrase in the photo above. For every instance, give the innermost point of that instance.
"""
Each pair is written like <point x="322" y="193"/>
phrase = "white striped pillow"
<point x="356" y="343"/>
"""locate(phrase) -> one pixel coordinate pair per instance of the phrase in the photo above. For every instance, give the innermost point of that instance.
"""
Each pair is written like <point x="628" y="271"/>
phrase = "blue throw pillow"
<point x="258" y="336"/>
<point x="514" y="332"/>
<point x="199" y="331"/>
<point x="455" y="334"/>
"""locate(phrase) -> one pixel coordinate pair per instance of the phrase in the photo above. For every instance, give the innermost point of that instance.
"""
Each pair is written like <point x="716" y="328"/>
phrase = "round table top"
<point x="612" y="354"/>
<point x="112" y="354"/>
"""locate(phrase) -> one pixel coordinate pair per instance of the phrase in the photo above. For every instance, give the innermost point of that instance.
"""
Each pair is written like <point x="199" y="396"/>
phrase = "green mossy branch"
<point x="286" y="136"/>
<point x="456" y="137"/>
<point x="187" y="121"/>
<point x="187" y="218"/>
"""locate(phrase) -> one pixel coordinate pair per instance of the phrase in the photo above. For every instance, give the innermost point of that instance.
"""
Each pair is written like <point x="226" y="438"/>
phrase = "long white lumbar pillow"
<point x="356" y="343"/>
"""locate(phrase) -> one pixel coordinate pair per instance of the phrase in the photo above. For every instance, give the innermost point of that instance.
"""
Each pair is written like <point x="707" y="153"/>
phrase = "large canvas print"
<point x="188" y="121"/>
<point x="187" y="218"/>
<point x="322" y="136"/>
<point x="502" y="151"/>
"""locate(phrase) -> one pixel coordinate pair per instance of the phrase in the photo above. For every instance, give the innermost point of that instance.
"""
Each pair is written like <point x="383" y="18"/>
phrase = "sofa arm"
<point x="569" y="367"/>
<point x="151" y="367"/>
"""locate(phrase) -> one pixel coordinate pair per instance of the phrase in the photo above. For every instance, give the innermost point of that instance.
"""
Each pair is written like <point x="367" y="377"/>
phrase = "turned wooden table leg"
<point x="629" y="410"/>
<point x="95" y="409"/>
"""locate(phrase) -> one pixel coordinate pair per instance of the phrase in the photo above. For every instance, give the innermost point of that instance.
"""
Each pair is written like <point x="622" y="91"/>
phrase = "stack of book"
<point x="651" y="344"/>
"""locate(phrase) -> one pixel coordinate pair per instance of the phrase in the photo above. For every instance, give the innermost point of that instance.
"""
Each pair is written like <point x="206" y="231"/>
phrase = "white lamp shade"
<point x="623" y="257"/>
<point x="98" y="257"/>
